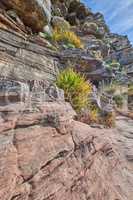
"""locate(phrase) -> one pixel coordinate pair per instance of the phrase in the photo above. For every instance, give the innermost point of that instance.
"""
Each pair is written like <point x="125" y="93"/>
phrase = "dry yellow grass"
<point x="67" y="37"/>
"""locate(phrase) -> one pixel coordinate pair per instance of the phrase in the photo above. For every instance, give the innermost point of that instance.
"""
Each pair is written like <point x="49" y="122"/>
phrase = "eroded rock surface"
<point x="39" y="161"/>
<point x="25" y="59"/>
<point x="34" y="13"/>
<point x="44" y="153"/>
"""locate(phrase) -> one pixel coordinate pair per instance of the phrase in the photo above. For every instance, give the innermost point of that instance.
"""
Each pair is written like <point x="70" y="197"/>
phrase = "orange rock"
<point x="34" y="13"/>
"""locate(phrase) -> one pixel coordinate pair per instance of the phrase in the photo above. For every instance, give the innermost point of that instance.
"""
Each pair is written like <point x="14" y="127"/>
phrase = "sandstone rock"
<point x="9" y="20"/>
<point x="83" y="12"/>
<point x="8" y="167"/>
<point x="91" y="67"/>
<point x="73" y="6"/>
<point x="79" y="8"/>
<point x="91" y="28"/>
<point x="73" y="20"/>
<point x="12" y="91"/>
<point x="44" y="152"/>
<point x="34" y="13"/>
<point x="60" y="23"/>
<point x="60" y="8"/>
<point x="85" y="163"/>
<point x="122" y="51"/>
<point x="30" y="62"/>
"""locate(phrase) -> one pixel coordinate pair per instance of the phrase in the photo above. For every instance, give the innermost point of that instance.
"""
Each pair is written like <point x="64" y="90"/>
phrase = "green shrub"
<point x="47" y="36"/>
<point x="75" y="87"/>
<point x="118" y="100"/>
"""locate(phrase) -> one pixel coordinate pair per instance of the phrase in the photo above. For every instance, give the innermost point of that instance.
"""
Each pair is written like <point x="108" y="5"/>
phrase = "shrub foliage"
<point x="76" y="88"/>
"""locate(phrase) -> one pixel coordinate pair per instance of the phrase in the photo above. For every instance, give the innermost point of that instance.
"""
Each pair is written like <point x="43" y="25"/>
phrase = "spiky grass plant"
<point x="76" y="88"/>
<point x="67" y="37"/>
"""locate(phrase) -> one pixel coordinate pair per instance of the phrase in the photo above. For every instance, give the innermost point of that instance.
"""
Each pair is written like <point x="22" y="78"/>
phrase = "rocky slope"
<point x="45" y="158"/>
<point x="44" y="153"/>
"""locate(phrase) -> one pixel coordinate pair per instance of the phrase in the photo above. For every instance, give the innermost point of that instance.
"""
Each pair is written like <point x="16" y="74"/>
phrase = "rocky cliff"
<point x="45" y="154"/>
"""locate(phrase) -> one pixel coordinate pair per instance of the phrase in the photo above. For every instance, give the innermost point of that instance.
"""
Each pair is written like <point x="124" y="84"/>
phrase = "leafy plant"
<point x="67" y="37"/>
<point x="76" y="88"/>
<point x="45" y="35"/>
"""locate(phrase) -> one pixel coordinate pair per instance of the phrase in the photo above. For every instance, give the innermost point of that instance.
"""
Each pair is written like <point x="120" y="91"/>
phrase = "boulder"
<point x="72" y="18"/>
<point x="60" y="23"/>
<point x="91" y="28"/>
<point x="77" y="12"/>
<point x="60" y="8"/>
<point x="83" y="12"/>
<point x="96" y="45"/>
<point x="34" y="13"/>
<point x="73" y="6"/>
<point x="85" y="63"/>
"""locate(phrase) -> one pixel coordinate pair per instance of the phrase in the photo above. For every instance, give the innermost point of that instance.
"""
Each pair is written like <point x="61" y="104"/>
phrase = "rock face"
<point x="60" y="23"/>
<point x="45" y="154"/>
<point x="42" y="162"/>
<point x="122" y="51"/>
<point x="34" y="13"/>
<point x="26" y="59"/>
<point x="84" y="62"/>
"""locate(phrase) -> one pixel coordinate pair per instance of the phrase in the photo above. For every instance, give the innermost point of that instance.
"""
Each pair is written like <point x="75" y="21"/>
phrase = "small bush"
<point x="108" y="120"/>
<point x="93" y="115"/>
<point x="118" y="100"/>
<point x="75" y="87"/>
<point x="67" y="37"/>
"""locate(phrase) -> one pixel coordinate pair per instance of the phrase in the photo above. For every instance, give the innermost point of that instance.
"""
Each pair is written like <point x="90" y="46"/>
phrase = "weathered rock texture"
<point x="44" y="153"/>
<point x="34" y="13"/>
<point x="39" y="161"/>
<point x="26" y="59"/>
